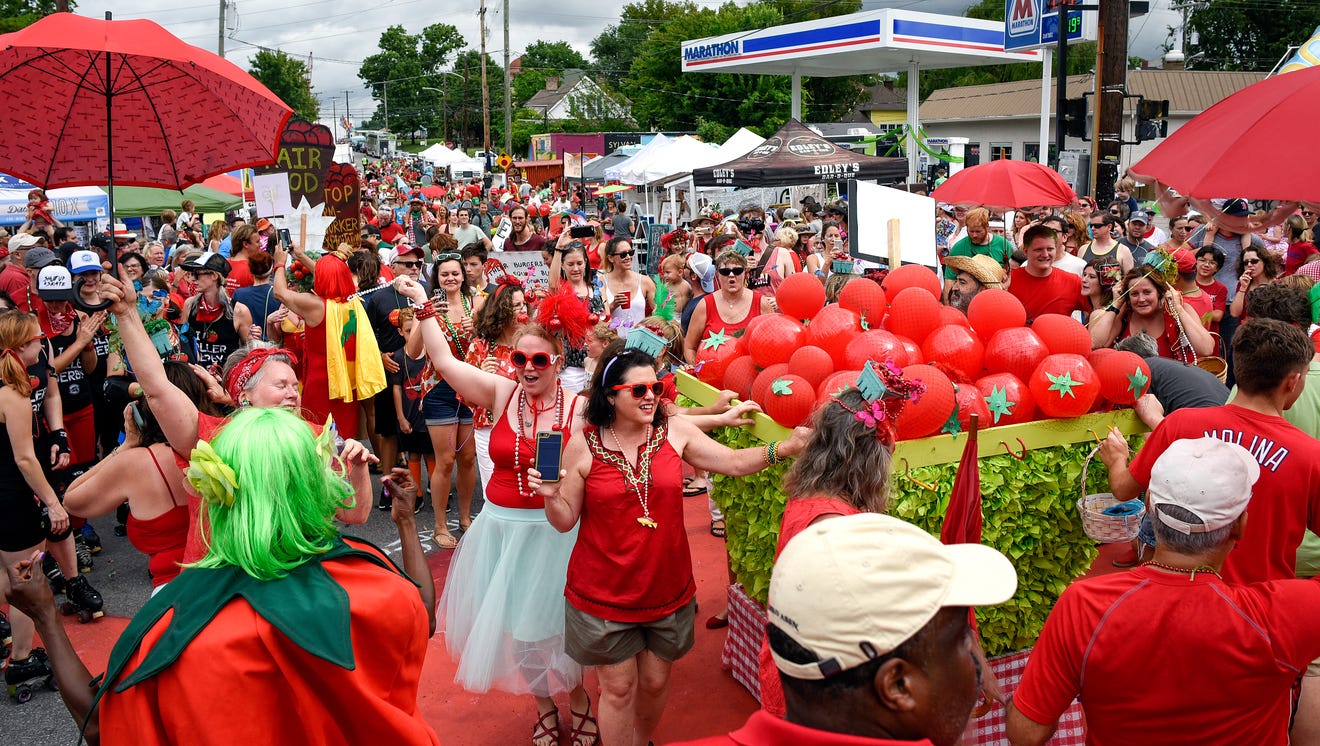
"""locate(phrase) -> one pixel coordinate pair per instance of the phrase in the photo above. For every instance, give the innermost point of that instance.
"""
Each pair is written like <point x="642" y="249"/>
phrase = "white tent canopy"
<point x="615" y="172"/>
<point x="678" y="155"/>
<point x="439" y="155"/>
<point x="738" y="145"/>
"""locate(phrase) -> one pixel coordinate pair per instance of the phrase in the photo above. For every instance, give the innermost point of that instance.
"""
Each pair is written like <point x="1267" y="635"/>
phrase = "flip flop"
<point x="717" y="531"/>
<point x="445" y="540"/>
<point x="694" y="491"/>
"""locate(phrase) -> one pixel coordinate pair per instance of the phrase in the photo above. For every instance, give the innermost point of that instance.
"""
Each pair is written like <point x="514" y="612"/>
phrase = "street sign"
<point x="504" y="161"/>
<point x="1030" y="24"/>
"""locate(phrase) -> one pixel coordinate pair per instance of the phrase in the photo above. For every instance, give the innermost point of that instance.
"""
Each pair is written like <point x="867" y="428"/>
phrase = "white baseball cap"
<point x="54" y="283"/>
<point x="854" y="588"/>
<point x="1209" y="478"/>
<point x="84" y="261"/>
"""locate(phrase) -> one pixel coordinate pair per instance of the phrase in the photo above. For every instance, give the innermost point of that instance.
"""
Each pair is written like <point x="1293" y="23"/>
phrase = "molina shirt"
<point x="763" y="729"/>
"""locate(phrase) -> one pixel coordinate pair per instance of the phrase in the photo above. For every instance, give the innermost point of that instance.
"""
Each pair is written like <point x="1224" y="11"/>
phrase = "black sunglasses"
<point x="1097" y="225"/>
<point x="1251" y="261"/>
<point x="638" y="390"/>
<point x="539" y="360"/>
<point x="625" y="254"/>
<point x="732" y="271"/>
<point x="402" y="263"/>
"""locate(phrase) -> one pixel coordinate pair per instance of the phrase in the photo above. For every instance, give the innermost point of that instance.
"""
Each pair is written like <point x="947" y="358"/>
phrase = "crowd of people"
<point x="234" y="394"/>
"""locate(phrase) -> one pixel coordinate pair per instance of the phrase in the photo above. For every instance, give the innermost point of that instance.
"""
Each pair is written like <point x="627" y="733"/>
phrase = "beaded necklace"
<point x="530" y="405"/>
<point x="461" y="338"/>
<point x="637" y="478"/>
<point x="1184" y="570"/>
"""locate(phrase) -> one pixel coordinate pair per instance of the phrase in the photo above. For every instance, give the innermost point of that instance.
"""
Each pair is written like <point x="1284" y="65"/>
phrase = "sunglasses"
<point x="1308" y="212"/>
<point x="731" y="271"/>
<point x="1251" y="261"/>
<point x="449" y="256"/>
<point x="410" y="265"/>
<point x="1114" y="212"/>
<point x="638" y="390"/>
<point x="1097" y="225"/>
<point x="539" y="360"/>
<point x="625" y="254"/>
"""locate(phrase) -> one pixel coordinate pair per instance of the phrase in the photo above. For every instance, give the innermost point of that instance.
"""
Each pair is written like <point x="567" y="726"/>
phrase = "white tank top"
<point x="625" y="318"/>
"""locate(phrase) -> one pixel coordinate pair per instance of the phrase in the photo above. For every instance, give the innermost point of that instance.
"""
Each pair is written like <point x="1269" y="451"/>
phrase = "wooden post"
<point x="302" y="233"/>
<point x="895" y="246"/>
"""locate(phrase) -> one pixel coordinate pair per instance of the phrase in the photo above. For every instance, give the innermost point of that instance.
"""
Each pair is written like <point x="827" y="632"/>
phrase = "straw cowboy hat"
<point x="981" y="267"/>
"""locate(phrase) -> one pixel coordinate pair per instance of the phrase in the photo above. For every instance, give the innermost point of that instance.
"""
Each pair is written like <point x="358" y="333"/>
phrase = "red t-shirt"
<point x="1297" y="255"/>
<point x="1286" y="498"/>
<point x="621" y="570"/>
<point x="1215" y="662"/>
<point x="14" y="280"/>
<point x="239" y="275"/>
<point x="391" y="233"/>
<point x="763" y="729"/>
<point x="1058" y="292"/>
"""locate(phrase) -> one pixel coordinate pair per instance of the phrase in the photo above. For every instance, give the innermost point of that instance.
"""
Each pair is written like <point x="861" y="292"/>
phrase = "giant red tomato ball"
<point x="914" y="354"/>
<point x="761" y="384"/>
<point x="956" y="348"/>
<point x="932" y="408"/>
<point x="911" y="276"/>
<point x="742" y="337"/>
<point x="1064" y="385"/>
<point x="739" y="375"/>
<point x="951" y="315"/>
<point x="867" y="298"/>
<point x="970" y="403"/>
<point x="713" y="359"/>
<point x="914" y="313"/>
<point x="1062" y="334"/>
<point x="993" y="309"/>
<point x="1007" y="398"/>
<point x="812" y="363"/>
<point x="832" y="329"/>
<point x="1016" y="350"/>
<point x="1099" y="354"/>
<point x="834" y="383"/>
<point x="1124" y="377"/>
<point x="775" y="339"/>
<point x="876" y="344"/>
<point x="789" y="400"/>
<point x="801" y="295"/>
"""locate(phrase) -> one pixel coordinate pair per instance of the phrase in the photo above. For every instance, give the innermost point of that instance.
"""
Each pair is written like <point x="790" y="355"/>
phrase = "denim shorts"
<point x="441" y="407"/>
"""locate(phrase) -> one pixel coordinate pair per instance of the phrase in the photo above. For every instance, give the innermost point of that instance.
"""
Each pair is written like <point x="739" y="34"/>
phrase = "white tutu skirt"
<point x="502" y="611"/>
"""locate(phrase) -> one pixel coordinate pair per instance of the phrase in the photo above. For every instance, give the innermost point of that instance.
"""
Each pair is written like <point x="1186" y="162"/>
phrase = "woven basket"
<point x="1106" y="529"/>
<point x="1216" y="365"/>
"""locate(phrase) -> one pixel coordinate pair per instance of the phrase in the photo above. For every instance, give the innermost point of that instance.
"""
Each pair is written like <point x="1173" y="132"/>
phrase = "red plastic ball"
<point x="1096" y="356"/>
<point x="840" y="379"/>
<point x="1062" y="334"/>
<point x="951" y="315"/>
<point x="739" y="375"/>
<point x="1017" y="350"/>
<point x="1124" y="377"/>
<point x="775" y="339"/>
<point x="867" y="298"/>
<point x="1064" y="385"/>
<point x="927" y="415"/>
<point x="832" y="329"/>
<point x="761" y="384"/>
<point x="877" y="345"/>
<point x="742" y="337"/>
<point x="1007" y="398"/>
<point x="713" y="361"/>
<point x="970" y="403"/>
<point x="912" y="276"/>
<point x="812" y="363"/>
<point x="801" y="295"/>
<point x="791" y="408"/>
<point x="914" y="314"/>
<point x="914" y="354"/>
<point x="957" y="348"/>
<point x="544" y="209"/>
<point x="993" y="309"/>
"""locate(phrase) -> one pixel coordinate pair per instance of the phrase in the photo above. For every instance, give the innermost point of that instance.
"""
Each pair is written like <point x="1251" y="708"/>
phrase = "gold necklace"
<point x="637" y="478"/>
<point x="1184" y="570"/>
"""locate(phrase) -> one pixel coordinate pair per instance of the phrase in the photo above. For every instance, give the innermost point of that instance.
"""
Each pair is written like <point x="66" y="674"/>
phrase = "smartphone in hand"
<point x="549" y="454"/>
<point x="286" y="239"/>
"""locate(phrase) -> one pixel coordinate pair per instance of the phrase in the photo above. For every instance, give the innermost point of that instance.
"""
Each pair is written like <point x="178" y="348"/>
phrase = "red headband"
<point x="241" y="374"/>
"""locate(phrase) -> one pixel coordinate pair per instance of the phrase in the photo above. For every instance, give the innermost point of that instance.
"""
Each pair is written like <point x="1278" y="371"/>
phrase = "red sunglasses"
<point x="539" y="360"/>
<point x="638" y="390"/>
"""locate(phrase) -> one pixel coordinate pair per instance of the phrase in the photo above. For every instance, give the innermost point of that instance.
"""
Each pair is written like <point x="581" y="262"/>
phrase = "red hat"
<point x="1186" y="261"/>
<point x="404" y="249"/>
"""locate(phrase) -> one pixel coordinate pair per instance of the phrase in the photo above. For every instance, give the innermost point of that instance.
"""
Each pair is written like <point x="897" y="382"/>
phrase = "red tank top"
<point x="316" y="385"/>
<point x="715" y="322"/>
<point x="161" y="538"/>
<point x="503" y="489"/>
<point x="621" y="570"/>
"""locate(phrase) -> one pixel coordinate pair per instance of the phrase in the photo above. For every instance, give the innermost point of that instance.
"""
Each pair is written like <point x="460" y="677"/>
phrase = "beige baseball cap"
<point x="1210" y="478"/>
<point x="854" y="588"/>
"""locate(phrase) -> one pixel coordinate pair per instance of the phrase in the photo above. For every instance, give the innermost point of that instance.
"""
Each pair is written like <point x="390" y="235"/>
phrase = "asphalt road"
<point x="120" y="574"/>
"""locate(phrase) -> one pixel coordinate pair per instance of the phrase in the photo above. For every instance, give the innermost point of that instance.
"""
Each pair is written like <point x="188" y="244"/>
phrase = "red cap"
<point x="1186" y="261"/>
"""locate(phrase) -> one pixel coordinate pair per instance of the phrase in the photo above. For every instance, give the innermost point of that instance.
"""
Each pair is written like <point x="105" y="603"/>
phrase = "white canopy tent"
<point x="738" y="145"/>
<point x="615" y="172"/>
<point x="439" y="155"/>
<point x="678" y="155"/>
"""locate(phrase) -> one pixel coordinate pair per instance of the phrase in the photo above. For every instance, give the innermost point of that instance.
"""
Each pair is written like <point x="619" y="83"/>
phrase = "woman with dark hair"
<point x="571" y="265"/>
<point x="495" y="326"/>
<point x="1255" y="268"/>
<point x="134" y="264"/>
<point x="629" y="296"/>
<point x="1098" y="281"/>
<point x="630" y="588"/>
<point x="1147" y="304"/>
<point x="254" y="304"/>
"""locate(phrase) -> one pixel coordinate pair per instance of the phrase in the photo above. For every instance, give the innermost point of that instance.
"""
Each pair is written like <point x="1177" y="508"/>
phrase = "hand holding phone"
<point x="549" y="454"/>
<point x="286" y="239"/>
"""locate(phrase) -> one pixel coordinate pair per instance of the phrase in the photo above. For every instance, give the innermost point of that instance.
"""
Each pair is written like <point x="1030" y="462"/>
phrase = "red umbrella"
<point x="1006" y="185"/>
<point x="963" y="519"/>
<point x="435" y="191"/>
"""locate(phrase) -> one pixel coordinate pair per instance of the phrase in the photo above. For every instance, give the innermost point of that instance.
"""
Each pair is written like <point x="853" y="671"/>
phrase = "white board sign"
<point x="527" y="266"/>
<point x="871" y="208"/>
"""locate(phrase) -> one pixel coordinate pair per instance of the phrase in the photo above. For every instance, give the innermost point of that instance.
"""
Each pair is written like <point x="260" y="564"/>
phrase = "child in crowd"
<point x="407" y="385"/>
<point x="671" y="274"/>
<point x="597" y="340"/>
<point x="39" y="212"/>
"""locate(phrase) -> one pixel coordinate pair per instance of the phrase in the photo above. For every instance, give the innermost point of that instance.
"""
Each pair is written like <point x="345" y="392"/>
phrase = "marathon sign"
<point x="1022" y="17"/>
<point x="714" y="51"/>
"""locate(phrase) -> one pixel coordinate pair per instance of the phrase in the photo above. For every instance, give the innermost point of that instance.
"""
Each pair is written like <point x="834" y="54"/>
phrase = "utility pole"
<point x="508" y="87"/>
<point x="347" y="116"/>
<point x="1111" y="87"/>
<point x="485" y="87"/>
<point x="334" y="117"/>
<point x="386" y="101"/>
<point x="220" y="32"/>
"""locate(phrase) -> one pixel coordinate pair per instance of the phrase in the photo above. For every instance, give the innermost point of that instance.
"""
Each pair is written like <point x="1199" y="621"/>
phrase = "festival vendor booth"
<point x="137" y="202"/>
<point x="70" y="205"/>
<point x="796" y="155"/>
<point x="1024" y="407"/>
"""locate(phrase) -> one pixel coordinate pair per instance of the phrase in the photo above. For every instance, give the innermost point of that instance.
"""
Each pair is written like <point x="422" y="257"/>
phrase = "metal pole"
<point x="220" y="32"/>
<point x="1045" y="74"/>
<point x="508" y="87"/>
<point x="795" y="94"/>
<point x="110" y="158"/>
<point x="913" y="118"/>
<point x="1061" y="88"/>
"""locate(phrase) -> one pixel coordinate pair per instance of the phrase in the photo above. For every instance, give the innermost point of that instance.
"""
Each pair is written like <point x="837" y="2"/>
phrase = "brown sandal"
<point x="543" y="730"/>
<point x="578" y="735"/>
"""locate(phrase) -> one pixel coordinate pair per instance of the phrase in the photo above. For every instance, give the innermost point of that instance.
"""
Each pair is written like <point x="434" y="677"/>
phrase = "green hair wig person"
<point x="270" y="488"/>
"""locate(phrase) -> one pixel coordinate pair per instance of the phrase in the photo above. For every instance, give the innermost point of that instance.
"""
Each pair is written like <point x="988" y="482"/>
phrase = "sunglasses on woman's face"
<point x="732" y="271"/>
<point x="638" y="390"/>
<point x="625" y="254"/>
<point x="1251" y="261"/>
<point x="539" y="360"/>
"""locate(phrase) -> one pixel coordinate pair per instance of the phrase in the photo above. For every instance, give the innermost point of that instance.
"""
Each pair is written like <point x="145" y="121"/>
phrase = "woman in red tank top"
<point x="630" y="587"/>
<point x="502" y="610"/>
<point x="726" y="312"/>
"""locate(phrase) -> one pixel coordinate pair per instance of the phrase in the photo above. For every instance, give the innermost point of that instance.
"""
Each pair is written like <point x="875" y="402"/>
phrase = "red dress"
<point x="161" y="538"/>
<point x="316" y="399"/>
<point x="621" y="570"/>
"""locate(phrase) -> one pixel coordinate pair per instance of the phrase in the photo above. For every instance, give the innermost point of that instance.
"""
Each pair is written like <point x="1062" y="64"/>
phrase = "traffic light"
<point x="1074" y="117"/>
<point x="1152" y="119"/>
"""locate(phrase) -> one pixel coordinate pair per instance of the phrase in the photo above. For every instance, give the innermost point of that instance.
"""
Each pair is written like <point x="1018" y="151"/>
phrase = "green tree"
<point x="1238" y="35"/>
<point x="542" y="60"/>
<point x="402" y="71"/>
<point x="17" y="14"/>
<point x="288" y="78"/>
<point x="615" y="48"/>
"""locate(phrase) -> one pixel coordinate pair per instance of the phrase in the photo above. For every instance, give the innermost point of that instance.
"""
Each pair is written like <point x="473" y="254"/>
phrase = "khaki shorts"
<point x="1313" y="670"/>
<point x="592" y="641"/>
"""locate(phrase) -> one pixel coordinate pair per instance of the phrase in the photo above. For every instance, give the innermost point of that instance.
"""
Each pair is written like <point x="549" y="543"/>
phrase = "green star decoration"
<point x="1137" y="383"/>
<point x="715" y="340"/>
<point x="998" y="404"/>
<point x="781" y="387"/>
<point x="1063" y="384"/>
<point x="953" y="426"/>
<point x="866" y="325"/>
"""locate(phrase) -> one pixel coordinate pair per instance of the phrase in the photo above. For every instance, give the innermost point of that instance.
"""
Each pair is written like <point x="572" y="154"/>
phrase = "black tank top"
<point x="39" y="374"/>
<point x="11" y="477"/>
<point x="75" y="387"/>
<point x="210" y="342"/>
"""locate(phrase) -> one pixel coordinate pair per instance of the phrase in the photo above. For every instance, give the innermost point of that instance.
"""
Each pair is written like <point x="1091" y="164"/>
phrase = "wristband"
<point x="772" y="453"/>
<point x="61" y="438"/>
<point x="425" y="311"/>
<point x="1112" y="308"/>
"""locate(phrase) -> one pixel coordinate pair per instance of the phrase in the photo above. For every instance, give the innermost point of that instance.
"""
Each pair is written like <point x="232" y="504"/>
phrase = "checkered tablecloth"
<point x="747" y="625"/>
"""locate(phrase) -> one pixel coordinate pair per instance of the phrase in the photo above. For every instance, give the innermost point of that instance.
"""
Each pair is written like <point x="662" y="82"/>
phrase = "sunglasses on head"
<point x="732" y="271"/>
<point x="638" y="390"/>
<point x="449" y="256"/>
<point x="539" y="360"/>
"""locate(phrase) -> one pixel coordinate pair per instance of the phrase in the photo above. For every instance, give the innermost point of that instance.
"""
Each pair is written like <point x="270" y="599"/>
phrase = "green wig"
<point x="283" y="491"/>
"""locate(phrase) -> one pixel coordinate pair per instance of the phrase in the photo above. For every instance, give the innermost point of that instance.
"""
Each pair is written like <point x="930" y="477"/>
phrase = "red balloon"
<point x="1016" y="350"/>
<point x="876" y="344"/>
<point x="927" y="415"/>
<point x="761" y="384"/>
<point x="911" y="276"/>
<point x="951" y="315"/>
<point x="775" y="339"/>
<point x="1062" y="334"/>
<point x="914" y="314"/>
<point x="970" y="403"/>
<point x="832" y="329"/>
<point x="739" y="375"/>
<point x="812" y="363"/>
<point x="835" y="381"/>
<point x="957" y="348"/>
<point x="1008" y="399"/>
<point x="789" y="400"/>
<point x="914" y="354"/>
<point x="867" y="298"/>
<point x="801" y="295"/>
<point x="712" y="362"/>
<point x="1099" y="354"/>
<point x="993" y="309"/>
<point x="1064" y="385"/>
<point x="544" y="210"/>
<point x="1124" y="377"/>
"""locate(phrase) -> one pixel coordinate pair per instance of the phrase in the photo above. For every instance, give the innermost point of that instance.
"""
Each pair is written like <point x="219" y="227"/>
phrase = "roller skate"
<point x="83" y="552"/>
<point x="53" y="574"/>
<point x="6" y="637"/>
<point x="24" y="678"/>
<point x="90" y="538"/>
<point x="82" y="599"/>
